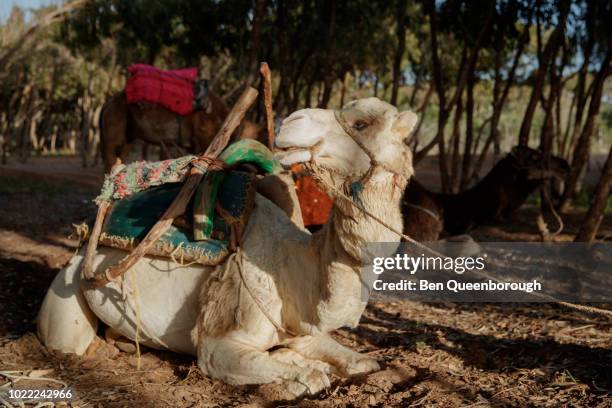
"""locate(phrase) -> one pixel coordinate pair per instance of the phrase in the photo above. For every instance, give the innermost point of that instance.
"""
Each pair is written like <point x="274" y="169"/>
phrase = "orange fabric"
<point x="314" y="203"/>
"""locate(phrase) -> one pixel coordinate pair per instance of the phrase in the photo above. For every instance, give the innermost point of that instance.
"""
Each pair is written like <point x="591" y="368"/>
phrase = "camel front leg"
<point x="239" y="363"/>
<point x="325" y="348"/>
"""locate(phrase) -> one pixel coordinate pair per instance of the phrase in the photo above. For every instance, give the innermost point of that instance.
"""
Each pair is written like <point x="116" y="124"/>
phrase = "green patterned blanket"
<point x="141" y="192"/>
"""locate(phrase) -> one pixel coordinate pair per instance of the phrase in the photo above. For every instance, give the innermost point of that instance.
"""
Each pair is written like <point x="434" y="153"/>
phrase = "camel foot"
<point x="310" y="382"/>
<point x="345" y="360"/>
<point x="362" y="366"/>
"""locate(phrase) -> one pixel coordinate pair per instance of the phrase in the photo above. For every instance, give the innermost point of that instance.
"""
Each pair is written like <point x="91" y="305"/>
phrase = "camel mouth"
<point x="291" y="156"/>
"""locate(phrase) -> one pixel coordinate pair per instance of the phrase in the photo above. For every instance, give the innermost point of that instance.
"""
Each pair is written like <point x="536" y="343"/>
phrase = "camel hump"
<point x="279" y="189"/>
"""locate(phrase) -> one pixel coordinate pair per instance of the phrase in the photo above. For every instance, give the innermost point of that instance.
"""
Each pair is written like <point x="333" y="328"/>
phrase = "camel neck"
<point x="354" y="228"/>
<point x="340" y="244"/>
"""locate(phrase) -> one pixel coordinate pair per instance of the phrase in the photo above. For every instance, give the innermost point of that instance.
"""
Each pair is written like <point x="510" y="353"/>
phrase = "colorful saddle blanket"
<point x="223" y="201"/>
<point x="176" y="90"/>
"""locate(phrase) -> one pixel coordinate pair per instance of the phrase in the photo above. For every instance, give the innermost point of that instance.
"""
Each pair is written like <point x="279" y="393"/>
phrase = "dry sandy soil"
<point x="432" y="355"/>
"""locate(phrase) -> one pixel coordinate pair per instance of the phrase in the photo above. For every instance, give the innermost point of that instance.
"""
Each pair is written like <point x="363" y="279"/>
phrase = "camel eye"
<point x="360" y="125"/>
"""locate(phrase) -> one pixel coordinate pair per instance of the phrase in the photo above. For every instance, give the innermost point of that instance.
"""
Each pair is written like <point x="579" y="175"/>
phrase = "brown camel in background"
<point x="497" y="196"/>
<point x="121" y="124"/>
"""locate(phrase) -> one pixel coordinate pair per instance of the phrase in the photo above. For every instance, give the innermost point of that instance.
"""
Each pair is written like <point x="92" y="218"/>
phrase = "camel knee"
<point x="65" y="322"/>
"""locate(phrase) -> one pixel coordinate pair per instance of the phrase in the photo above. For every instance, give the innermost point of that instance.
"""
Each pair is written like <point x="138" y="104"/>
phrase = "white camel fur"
<point x="284" y="287"/>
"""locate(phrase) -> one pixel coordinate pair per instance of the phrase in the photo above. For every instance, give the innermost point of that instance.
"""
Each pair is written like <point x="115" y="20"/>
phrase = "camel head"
<point x="531" y="162"/>
<point x="337" y="145"/>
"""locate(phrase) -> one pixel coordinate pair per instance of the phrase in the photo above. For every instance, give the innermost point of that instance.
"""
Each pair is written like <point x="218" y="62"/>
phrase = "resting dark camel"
<point x="497" y="196"/>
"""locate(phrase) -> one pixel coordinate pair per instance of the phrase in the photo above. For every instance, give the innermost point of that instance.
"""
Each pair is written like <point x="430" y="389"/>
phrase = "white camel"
<point x="284" y="287"/>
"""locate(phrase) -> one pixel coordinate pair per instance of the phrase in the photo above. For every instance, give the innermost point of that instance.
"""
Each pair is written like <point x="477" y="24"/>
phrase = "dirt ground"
<point x="432" y="355"/>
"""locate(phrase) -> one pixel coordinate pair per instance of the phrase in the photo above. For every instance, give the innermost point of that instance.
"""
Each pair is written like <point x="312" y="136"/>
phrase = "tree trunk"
<point x="445" y="105"/>
<point x="27" y="103"/>
<point x="415" y="90"/>
<point x="469" y="133"/>
<point x="297" y="83"/>
<point x="497" y="85"/>
<point x="325" y="96"/>
<point x="343" y="90"/>
<point x="550" y="50"/>
<point x="455" y="142"/>
<point x="282" y="96"/>
<point x="84" y="130"/>
<point x="330" y="58"/>
<point x="581" y="153"/>
<point x="421" y="114"/>
<point x="401" y="47"/>
<point x="376" y="83"/>
<point x="547" y="132"/>
<point x="580" y="98"/>
<point x="35" y="142"/>
<point x="440" y="90"/>
<point x="499" y="105"/>
<point x="53" y="139"/>
<point x="308" y="95"/>
<point x="258" y="14"/>
<point x="596" y="212"/>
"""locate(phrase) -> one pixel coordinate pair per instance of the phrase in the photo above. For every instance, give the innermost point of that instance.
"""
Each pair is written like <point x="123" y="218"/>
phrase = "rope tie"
<point x="236" y="257"/>
<point x="427" y="211"/>
<point x="373" y="161"/>
<point x="206" y="163"/>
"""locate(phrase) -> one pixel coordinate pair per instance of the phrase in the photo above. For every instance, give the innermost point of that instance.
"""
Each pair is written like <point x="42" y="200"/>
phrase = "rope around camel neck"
<point x="340" y="194"/>
<point x="236" y="257"/>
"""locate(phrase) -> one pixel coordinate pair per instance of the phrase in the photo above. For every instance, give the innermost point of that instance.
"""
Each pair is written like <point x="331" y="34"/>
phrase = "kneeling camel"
<point x="284" y="288"/>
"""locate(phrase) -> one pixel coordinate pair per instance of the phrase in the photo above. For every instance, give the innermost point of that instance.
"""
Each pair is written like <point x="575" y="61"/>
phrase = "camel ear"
<point x="405" y="123"/>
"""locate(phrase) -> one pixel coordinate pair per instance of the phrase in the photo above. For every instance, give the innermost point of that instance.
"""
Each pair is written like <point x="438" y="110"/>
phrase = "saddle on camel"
<point x="171" y="109"/>
<point x="140" y="192"/>
<point x="178" y="90"/>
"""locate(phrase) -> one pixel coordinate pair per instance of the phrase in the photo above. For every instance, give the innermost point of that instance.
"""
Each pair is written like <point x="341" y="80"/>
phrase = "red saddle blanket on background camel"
<point x="170" y="89"/>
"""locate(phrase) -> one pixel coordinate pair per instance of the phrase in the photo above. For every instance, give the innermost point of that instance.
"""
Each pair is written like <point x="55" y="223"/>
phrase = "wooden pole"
<point x="87" y="268"/>
<point x="267" y="85"/>
<point x="597" y="210"/>
<point x="179" y="204"/>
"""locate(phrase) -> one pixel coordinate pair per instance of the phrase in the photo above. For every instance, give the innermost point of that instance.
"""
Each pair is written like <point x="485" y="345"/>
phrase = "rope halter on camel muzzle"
<point x="399" y="180"/>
